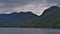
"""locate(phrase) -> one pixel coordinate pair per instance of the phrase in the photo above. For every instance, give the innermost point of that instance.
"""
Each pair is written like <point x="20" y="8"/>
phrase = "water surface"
<point x="28" y="31"/>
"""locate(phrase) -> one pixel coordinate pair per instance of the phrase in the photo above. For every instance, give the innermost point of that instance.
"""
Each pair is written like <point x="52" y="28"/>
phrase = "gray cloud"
<point x="14" y="3"/>
<point x="36" y="6"/>
<point x="54" y="1"/>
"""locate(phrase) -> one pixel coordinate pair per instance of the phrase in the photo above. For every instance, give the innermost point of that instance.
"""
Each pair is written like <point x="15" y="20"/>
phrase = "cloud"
<point x="14" y="3"/>
<point x="53" y="1"/>
<point x="57" y="2"/>
<point x="35" y="6"/>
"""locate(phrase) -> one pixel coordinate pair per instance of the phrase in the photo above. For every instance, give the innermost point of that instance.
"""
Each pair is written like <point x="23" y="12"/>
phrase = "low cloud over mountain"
<point x="36" y="6"/>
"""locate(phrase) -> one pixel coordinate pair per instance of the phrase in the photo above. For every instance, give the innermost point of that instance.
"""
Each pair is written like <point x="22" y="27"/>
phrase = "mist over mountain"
<point x="49" y="19"/>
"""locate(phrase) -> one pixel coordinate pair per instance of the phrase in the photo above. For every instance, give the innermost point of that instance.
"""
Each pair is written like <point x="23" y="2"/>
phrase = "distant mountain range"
<point x="17" y="16"/>
<point x="49" y="19"/>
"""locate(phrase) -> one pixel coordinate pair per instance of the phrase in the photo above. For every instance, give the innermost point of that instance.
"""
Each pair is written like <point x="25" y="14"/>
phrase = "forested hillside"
<point x="49" y="19"/>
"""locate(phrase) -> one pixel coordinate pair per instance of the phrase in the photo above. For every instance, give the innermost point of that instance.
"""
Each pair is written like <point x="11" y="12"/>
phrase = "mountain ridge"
<point x="28" y="19"/>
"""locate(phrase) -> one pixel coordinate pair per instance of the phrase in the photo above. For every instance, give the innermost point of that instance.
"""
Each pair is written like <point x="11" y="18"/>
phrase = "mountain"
<point x="49" y="19"/>
<point x="14" y="18"/>
<point x="17" y="16"/>
<point x="50" y="9"/>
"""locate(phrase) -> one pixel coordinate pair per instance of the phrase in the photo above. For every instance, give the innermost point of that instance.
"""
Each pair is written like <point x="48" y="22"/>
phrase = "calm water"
<point x="28" y="31"/>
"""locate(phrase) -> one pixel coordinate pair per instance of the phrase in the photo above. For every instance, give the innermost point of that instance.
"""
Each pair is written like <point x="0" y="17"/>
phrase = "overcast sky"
<point x="35" y="6"/>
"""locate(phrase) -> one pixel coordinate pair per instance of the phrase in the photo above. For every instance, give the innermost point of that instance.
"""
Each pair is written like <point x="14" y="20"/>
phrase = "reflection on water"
<point x="28" y="31"/>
